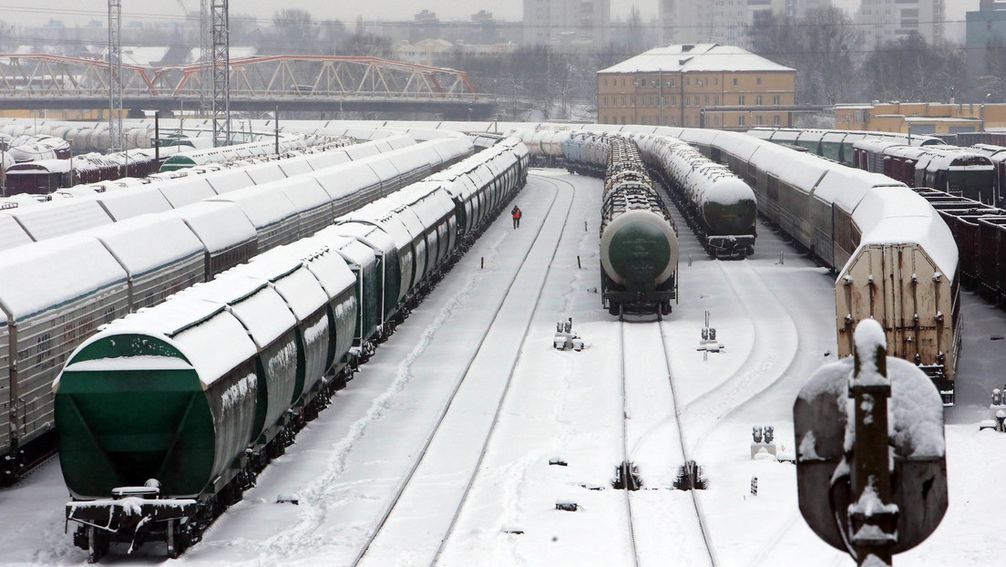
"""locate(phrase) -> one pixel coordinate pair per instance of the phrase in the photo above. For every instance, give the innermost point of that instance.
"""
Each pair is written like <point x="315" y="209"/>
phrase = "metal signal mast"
<point x="205" y="50"/>
<point x="115" y="75"/>
<point x="221" y="94"/>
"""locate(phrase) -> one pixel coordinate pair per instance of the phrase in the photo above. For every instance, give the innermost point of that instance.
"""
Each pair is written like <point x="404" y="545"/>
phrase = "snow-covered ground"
<point x="470" y="393"/>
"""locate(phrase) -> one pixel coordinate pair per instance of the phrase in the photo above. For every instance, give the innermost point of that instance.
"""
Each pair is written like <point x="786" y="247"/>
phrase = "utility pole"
<point x="205" y="57"/>
<point x="114" y="75"/>
<point x="275" y="127"/>
<point x="157" y="137"/>
<point x="221" y="100"/>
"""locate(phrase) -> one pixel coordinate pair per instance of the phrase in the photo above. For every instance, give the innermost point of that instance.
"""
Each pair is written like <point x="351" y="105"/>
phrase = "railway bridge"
<point x="313" y="83"/>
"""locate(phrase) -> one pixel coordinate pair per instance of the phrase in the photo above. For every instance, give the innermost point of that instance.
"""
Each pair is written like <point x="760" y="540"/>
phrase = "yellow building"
<point x="920" y="117"/>
<point x="683" y="85"/>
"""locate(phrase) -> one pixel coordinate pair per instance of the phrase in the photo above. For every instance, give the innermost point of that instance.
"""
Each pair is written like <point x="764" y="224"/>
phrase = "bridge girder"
<point x="298" y="76"/>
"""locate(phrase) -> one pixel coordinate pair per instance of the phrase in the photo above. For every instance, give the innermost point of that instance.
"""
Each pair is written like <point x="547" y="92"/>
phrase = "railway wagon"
<point x="638" y="240"/>
<point x="159" y="254"/>
<point x="193" y="158"/>
<point x="958" y="171"/>
<point x="37" y="177"/>
<point x="894" y="255"/>
<point x="836" y="145"/>
<point x="842" y="235"/>
<point x="962" y="215"/>
<point x="992" y="258"/>
<point x="166" y="416"/>
<point x="997" y="154"/>
<point x="719" y="205"/>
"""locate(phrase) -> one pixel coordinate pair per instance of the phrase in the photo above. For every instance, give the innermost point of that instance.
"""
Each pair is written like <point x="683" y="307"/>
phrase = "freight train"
<point x="836" y="145"/>
<point x="964" y="172"/>
<point x="26" y="219"/>
<point x="639" y="243"/>
<point x="719" y="206"/>
<point x="895" y="257"/>
<point x="167" y="415"/>
<point x="980" y="232"/>
<point x="70" y="269"/>
<point x="45" y="176"/>
<point x="865" y="227"/>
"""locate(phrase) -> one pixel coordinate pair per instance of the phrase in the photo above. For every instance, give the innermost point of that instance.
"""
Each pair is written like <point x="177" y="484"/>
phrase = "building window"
<point x="740" y="100"/>
<point x="775" y="120"/>
<point x="740" y="120"/>
<point x="775" y="100"/>
<point x="758" y="100"/>
<point x="735" y="81"/>
<point x="758" y="81"/>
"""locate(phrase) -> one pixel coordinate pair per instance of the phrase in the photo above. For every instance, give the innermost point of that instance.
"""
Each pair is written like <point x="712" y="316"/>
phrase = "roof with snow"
<point x="693" y="58"/>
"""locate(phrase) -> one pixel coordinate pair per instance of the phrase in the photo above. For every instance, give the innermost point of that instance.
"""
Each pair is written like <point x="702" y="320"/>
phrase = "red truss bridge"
<point x="323" y="83"/>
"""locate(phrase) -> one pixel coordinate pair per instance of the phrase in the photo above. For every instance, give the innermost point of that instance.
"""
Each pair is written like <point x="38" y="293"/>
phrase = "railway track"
<point x="765" y="364"/>
<point x="371" y="550"/>
<point x="654" y="440"/>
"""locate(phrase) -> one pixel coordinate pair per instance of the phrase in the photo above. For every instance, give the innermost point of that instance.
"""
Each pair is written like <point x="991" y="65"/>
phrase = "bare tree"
<point x="366" y="44"/>
<point x="819" y="46"/>
<point x="911" y="69"/>
<point x="293" y="32"/>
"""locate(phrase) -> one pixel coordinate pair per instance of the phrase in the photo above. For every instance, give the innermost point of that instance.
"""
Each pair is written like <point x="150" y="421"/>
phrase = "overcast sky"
<point x="79" y="11"/>
<point x="83" y="10"/>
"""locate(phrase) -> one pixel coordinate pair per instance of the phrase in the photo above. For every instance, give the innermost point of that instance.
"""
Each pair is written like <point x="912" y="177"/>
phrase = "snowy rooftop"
<point x="692" y="58"/>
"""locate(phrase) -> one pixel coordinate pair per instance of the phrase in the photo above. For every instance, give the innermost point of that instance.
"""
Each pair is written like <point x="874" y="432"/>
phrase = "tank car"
<point x="639" y="244"/>
<point x="719" y="206"/>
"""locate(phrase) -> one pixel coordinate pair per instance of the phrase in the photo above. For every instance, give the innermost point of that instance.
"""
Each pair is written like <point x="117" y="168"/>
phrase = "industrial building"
<point x="693" y="85"/>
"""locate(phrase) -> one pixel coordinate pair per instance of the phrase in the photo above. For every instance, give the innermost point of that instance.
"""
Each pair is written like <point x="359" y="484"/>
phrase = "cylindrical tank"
<point x="639" y="250"/>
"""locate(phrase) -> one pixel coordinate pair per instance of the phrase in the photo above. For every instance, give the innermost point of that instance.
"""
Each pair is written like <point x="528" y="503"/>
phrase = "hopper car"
<point x="130" y="249"/>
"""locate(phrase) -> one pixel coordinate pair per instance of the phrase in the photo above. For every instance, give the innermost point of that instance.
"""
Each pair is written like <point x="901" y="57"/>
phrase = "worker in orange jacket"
<point x="516" y="214"/>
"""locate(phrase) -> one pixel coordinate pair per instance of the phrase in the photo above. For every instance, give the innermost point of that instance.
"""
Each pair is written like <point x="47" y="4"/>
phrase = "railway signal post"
<point x="849" y="493"/>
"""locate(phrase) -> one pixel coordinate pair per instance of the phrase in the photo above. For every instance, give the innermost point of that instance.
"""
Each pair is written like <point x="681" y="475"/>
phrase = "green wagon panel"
<point x="639" y="254"/>
<point x="129" y="408"/>
<point x="177" y="162"/>
<point x="738" y="218"/>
